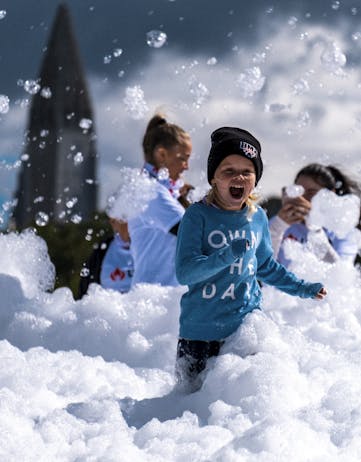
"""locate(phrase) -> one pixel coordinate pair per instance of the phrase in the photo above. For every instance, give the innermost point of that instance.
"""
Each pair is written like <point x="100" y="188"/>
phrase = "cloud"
<point x="305" y="110"/>
<point x="304" y="106"/>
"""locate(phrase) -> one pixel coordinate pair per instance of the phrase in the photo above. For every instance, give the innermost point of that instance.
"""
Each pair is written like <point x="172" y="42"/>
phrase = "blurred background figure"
<point x="111" y="263"/>
<point x="167" y="149"/>
<point x="291" y="221"/>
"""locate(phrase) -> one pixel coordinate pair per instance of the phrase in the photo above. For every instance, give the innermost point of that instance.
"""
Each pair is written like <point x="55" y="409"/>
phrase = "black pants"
<point x="192" y="357"/>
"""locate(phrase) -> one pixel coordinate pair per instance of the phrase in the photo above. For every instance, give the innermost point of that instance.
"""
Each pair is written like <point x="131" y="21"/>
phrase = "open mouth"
<point x="236" y="192"/>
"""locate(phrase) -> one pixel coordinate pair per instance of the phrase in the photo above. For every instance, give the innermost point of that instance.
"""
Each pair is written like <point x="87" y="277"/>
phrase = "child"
<point x="111" y="263"/>
<point x="167" y="149"/>
<point x="223" y="249"/>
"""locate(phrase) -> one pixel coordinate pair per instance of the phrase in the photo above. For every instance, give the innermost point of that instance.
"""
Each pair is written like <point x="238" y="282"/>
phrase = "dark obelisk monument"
<point x="57" y="180"/>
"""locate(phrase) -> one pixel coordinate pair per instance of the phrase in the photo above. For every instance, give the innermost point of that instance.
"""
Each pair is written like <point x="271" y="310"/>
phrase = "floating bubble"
<point x="89" y="181"/>
<point x="71" y="202"/>
<point x="121" y="73"/>
<point x="85" y="124"/>
<point x="292" y="21"/>
<point x="332" y="58"/>
<point x="335" y="5"/>
<point x="156" y="38"/>
<point x="46" y="93"/>
<point x="135" y="103"/>
<point x="38" y="199"/>
<point x="76" y="218"/>
<point x="259" y="58"/>
<point x="44" y="133"/>
<point x="4" y="104"/>
<point x="8" y="205"/>
<point x="251" y="81"/>
<point x="78" y="158"/>
<point x="212" y="61"/>
<point x="300" y="86"/>
<point x="41" y="219"/>
<point x="198" y="90"/>
<point x="294" y="190"/>
<point x="24" y="157"/>
<point x="2" y="14"/>
<point x="303" y="119"/>
<point x="117" y="52"/>
<point x="84" y="272"/>
<point x="356" y="36"/>
<point x="276" y="107"/>
<point x="107" y="59"/>
<point x="31" y="86"/>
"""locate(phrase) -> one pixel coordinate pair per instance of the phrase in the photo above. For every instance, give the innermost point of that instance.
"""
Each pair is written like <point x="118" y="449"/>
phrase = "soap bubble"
<point x="85" y="124"/>
<point x="135" y="103"/>
<point x="332" y="58"/>
<point x="41" y="219"/>
<point x="31" y="86"/>
<point x="294" y="190"/>
<point x="4" y="104"/>
<point x="251" y="81"/>
<point x="156" y="38"/>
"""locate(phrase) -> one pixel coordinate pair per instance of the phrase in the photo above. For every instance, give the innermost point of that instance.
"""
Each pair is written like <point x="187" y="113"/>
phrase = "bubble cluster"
<point x="78" y="158"/>
<point x="41" y="219"/>
<point x="198" y="90"/>
<point x="156" y="38"/>
<point x="300" y="87"/>
<point x="294" y="190"/>
<point x="212" y="61"/>
<point x="46" y="93"/>
<point x="135" y="103"/>
<point x="251" y="81"/>
<point x="4" y="104"/>
<point x="134" y="193"/>
<point x="85" y="123"/>
<point x="31" y="86"/>
<point x="332" y="58"/>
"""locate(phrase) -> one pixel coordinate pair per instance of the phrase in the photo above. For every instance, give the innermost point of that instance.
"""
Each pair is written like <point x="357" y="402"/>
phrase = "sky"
<point x="287" y="71"/>
<point x="93" y="379"/>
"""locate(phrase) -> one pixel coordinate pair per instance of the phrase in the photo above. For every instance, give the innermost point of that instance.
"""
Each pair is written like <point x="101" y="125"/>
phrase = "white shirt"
<point x="153" y="246"/>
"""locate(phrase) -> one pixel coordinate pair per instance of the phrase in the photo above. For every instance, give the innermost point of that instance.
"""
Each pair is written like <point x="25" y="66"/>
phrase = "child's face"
<point x="234" y="180"/>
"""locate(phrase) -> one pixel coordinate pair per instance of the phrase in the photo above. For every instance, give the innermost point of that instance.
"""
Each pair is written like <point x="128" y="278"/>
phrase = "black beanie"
<point x="233" y="140"/>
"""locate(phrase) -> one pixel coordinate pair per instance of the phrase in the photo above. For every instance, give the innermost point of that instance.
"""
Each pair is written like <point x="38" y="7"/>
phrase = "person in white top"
<point x="290" y="221"/>
<point x="153" y="232"/>
<point x="110" y="264"/>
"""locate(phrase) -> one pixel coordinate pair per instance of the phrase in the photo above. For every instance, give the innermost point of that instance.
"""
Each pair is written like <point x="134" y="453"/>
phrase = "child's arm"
<point x="192" y="265"/>
<point x="275" y="274"/>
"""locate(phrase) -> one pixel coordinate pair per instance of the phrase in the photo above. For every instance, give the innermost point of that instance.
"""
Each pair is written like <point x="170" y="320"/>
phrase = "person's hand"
<point x="321" y="294"/>
<point x="294" y="210"/>
<point x="184" y="190"/>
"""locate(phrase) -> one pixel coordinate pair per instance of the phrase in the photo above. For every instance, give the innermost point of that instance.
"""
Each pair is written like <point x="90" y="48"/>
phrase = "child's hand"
<point x="321" y="294"/>
<point x="239" y="246"/>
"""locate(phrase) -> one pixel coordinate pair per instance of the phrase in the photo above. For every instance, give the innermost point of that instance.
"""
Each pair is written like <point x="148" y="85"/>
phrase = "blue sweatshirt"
<point x="221" y="255"/>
